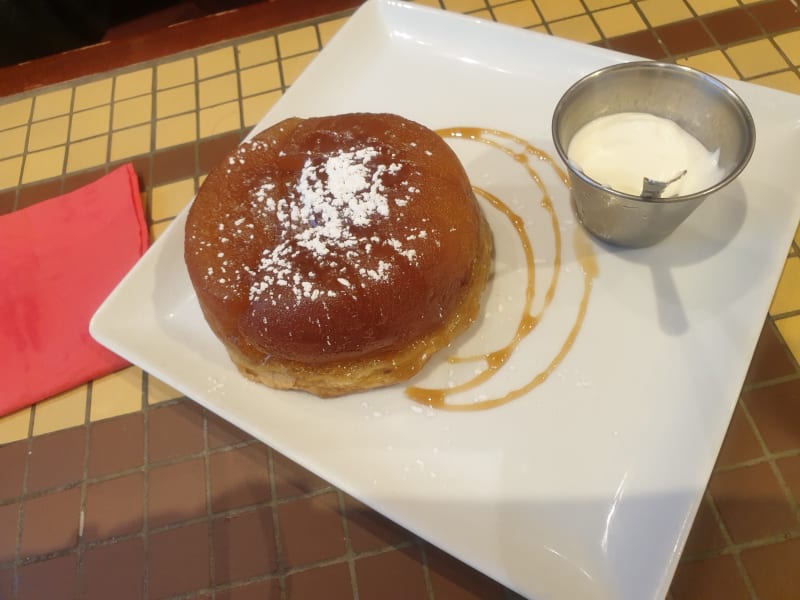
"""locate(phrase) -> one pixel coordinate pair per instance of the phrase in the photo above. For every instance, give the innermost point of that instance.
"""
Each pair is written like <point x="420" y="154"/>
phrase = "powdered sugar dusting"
<point x="325" y="216"/>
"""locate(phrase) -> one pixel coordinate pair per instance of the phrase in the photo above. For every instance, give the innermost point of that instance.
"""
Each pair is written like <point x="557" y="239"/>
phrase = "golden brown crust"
<point x="335" y="254"/>
<point x="334" y="379"/>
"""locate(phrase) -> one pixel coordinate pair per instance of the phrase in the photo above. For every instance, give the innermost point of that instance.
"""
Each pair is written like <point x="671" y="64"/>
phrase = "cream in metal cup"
<point x="702" y="105"/>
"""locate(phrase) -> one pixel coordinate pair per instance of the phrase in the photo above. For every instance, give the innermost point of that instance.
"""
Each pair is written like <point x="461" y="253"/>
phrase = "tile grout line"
<point x="704" y="26"/>
<point x="718" y="44"/>
<point x="760" y="385"/>
<point x="794" y="452"/>
<point x="426" y="572"/>
<point x="111" y="112"/>
<point x="64" y="160"/>
<point x="771" y="38"/>
<point x="649" y="27"/>
<point x="604" y="39"/>
<point x="197" y="106"/>
<point x="146" y="486"/>
<point x="28" y="126"/>
<point x="232" y="512"/>
<point x="348" y="543"/>
<point x="212" y="563"/>
<point x="546" y="24"/>
<point x="726" y="535"/>
<point x="279" y="60"/>
<point x="147" y="191"/>
<point x="147" y="187"/>
<point x="239" y="94"/>
<point x="789" y="313"/>
<point x="238" y="583"/>
<point x="67" y="146"/>
<point x="280" y="559"/>
<point x="771" y="461"/>
<point x="487" y="6"/>
<point x="775" y="471"/>
<point x="22" y="499"/>
<point x="196" y="148"/>
<point x="735" y="548"/>
<point x="81" y="547"/>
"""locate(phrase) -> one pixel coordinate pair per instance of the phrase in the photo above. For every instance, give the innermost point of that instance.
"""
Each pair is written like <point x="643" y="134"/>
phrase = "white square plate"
<point x="585" y="487"/>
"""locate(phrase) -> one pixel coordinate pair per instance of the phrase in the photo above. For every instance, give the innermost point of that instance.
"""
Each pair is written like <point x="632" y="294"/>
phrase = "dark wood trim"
<point x="183" y="36"/>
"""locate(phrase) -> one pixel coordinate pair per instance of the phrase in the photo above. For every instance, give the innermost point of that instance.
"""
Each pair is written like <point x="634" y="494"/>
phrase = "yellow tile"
<point x="298" y="41"/>
<point x="9" y="172"/>
<point x="176" y="100"/>
<point x="131" y="142"/>
<point x="787" y="81"/>
<point x="176" y="130"/>
<point x="797" y="236"/>
<point x="787" y="294"/>
<point x="15" y="113"/>
<point x="216" y="62"/>
<point x="116" y="394"/>
<point x="703" y="7"/>
<point x="157" y="229"/>
<point x="88" y="153"/>
<point x="257" y="52"/>
<point x="132" y="111"/>
<point x="218" y="90"/>
<point x="219" y="119"/>
<point x="88" y="123"/>
<point x="158" y="391"/>
<point x="714" y="62"/>
<point x="15" y="426"/>
<point x="661" y="12"/>
<point x="519" y="14"/>
<point x="63" y="411"/>
<point x="619" y="20"/>
<point x="92" y="94"/>
<point x="262" y="78"/>
<point x="431" y="3"/>
<point x="45" y="134"/>
<point x="464" y="6"/>
<point x="133" y="84"/>
<point x="756" y="58"/>
<point x="553" y="10"/>
<point x="483" y="14"/>
<point x="790" y="44"/>
<point x="177" y="72"/>
<point x="600" y="4"/>
<point x="329" y="28"/>
<point x="255" y="107"/>
<point x="52" y="104"/>
<point x="168" y="200"/>
<point x="43" y="164"/>
<point x="293" y="67"/>
<point x="789" y="329"/>
<point x="12" y="141"/>
<point x="580" y="29"/>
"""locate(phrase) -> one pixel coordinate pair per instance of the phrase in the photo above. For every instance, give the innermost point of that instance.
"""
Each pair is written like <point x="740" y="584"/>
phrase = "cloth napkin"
<point x="59" y="259"/>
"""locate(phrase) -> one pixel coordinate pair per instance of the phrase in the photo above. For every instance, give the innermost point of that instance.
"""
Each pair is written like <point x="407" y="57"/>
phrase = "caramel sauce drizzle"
<point x="494" y="360"/>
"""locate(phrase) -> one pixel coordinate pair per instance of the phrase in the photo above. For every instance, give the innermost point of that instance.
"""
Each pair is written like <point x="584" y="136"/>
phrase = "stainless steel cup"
<point x="702" y="105"/>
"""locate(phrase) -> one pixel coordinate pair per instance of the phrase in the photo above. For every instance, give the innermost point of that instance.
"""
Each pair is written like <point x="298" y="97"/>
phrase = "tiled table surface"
<point x="123" y="489"/>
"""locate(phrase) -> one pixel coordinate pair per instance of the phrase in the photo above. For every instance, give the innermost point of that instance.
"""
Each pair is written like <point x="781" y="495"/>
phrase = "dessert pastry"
<point x="337" y="254"/>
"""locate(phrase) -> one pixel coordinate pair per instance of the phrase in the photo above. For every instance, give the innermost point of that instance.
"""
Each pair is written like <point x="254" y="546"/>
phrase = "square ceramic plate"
<point x="586" y="486"/>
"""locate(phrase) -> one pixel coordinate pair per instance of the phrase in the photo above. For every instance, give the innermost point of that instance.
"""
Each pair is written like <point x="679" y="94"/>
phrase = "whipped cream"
<point x="620" y="150"/>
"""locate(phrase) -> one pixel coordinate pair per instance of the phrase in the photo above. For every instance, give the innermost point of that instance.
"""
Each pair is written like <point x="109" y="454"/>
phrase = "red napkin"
<point x="59" y="259"/>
